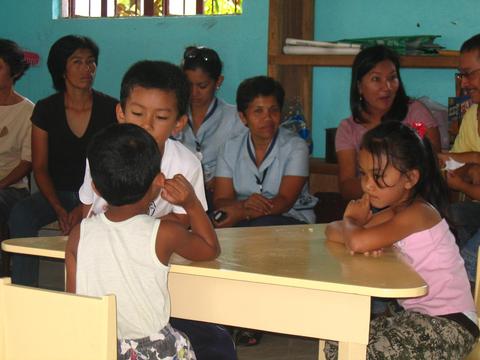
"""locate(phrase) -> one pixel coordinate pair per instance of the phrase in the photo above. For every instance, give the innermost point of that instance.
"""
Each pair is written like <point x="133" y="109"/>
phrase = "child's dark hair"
<point x="59" y="53"/>
<point x="206" y="59"/>
<point x="160" y="75"/>
<point x="124" y="159"/>
<point x="256" y="86"/>
<point x="12" y="55"/>
<point x="365" y="61"/>
<point x="405" y="150"/>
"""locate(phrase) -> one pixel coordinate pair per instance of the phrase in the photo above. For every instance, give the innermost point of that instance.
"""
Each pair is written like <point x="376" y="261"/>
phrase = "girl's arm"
<point x="199" y="244"/>
<point x="334" y="232"/>
<point x="71" y="259"/>
<point x="397" y="226"/>
<point x="348" y="182"/>
<point x="42" y="176"/>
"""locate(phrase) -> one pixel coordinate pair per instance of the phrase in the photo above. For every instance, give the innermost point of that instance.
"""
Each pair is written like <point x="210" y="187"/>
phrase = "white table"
<point x="284" y="279"/>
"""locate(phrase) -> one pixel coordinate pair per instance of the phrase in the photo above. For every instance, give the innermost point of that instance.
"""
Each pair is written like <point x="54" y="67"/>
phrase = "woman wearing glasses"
<point x="210" y="120"/>
<point x="376" y="95"/>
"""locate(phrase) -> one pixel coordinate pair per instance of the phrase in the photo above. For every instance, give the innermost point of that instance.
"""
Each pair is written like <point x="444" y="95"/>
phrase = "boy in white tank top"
<point x="126" y="252"/>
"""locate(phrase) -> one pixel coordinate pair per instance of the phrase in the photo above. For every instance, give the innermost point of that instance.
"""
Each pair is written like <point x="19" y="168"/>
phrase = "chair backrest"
<point x="39" y="324"/>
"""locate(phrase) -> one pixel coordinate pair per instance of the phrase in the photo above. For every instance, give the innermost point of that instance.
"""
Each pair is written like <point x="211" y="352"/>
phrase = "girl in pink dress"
<point x="399" y="174"/>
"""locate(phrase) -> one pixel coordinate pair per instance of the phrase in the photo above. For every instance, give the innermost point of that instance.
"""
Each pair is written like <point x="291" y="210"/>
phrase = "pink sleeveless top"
<point x="434" y="255"/>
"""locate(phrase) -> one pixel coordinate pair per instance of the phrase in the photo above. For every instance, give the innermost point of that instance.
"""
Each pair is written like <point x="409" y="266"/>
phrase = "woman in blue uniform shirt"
<point x="261" y="175"/>
<point x="210" y="120"/>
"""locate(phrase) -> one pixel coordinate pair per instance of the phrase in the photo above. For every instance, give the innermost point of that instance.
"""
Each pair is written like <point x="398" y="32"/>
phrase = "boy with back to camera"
<point x="154" y="95"/>
<point x="126" y="252"/>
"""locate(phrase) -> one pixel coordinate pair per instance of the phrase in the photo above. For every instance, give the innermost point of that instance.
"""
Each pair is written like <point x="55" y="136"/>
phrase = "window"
<point x="122" y="8"/>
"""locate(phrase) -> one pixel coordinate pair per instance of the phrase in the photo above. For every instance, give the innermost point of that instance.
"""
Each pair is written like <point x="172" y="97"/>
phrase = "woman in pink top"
<point x="399" y="174"/>
<point x="376" y="95"/>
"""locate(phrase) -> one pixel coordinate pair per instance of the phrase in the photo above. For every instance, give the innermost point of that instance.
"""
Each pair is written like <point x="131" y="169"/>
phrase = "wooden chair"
<point x="39" y="324"/>
<point x="475" y="354"/>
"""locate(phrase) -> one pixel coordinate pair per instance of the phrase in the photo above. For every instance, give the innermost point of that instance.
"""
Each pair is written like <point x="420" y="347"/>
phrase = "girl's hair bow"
<point x="419" y="128"/>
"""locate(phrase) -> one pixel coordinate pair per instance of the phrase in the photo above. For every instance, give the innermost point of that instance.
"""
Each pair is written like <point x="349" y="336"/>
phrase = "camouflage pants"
<point x="410" y="335"/>
<point x="168" y="344"/>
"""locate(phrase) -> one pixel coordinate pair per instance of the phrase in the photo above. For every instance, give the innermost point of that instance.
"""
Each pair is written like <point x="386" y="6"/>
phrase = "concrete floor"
<point x="271" y="347"/>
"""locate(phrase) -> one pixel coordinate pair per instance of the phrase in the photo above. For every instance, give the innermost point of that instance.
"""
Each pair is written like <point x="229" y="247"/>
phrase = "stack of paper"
<point x="312" y="47"/>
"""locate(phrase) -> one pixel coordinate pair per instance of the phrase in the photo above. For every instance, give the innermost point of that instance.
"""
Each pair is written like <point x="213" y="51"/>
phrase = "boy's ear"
<point x="120" y="113"/>
<point x="157" y="184"/>
<point x="159" y="180"/>
<point x="412" y="178"/>
<point x="180" y="124"/>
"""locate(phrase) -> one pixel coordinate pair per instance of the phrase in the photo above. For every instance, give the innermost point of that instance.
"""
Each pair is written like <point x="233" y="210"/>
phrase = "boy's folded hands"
<point x="179" y="191"/>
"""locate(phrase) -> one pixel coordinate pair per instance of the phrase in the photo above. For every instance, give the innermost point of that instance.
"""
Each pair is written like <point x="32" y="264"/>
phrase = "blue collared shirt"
<point x="221" y="123"/>
<point x="286" y="156"/>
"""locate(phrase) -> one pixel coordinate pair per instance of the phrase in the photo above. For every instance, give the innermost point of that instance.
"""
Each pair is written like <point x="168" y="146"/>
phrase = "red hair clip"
<point x="419" y="128"/>
<point x="31" y="58"/>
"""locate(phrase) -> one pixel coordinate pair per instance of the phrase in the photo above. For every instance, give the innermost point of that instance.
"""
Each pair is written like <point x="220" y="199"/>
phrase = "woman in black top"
<point x="62" y="125"/>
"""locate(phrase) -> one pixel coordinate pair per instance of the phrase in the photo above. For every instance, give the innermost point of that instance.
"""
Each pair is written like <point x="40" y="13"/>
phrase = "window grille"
<point x="125" y="8"/>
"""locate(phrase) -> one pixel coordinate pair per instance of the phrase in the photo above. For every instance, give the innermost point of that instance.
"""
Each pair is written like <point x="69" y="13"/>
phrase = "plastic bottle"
<point x="294" y="120"/>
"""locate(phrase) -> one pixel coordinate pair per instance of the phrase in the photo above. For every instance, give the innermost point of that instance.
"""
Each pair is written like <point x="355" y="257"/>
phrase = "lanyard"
<point x="198" y="143"/>
<point x="252" y="157"/>
<point x="260" y="182"/>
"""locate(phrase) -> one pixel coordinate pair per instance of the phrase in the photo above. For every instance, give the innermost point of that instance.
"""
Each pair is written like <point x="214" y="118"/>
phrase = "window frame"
<point x="148" y="9"/>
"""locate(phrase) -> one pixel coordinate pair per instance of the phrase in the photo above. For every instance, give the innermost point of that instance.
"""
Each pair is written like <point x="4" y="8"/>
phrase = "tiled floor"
<point x="280" y="347"/>
<point x="272" y="346"/>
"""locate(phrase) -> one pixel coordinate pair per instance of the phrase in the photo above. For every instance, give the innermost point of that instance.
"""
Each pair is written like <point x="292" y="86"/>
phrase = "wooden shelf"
<point x="426" y="61"/>
<point x="295" y="18"/>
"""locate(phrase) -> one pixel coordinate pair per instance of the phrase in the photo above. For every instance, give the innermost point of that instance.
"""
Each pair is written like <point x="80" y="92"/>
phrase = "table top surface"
<point x="296" y="256"/>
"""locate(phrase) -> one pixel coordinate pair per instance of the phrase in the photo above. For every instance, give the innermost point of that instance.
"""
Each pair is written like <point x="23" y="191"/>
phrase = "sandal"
<point x="247" y="337"/>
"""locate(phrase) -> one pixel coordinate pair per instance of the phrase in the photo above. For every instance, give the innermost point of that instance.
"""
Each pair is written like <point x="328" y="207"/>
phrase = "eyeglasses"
<point x="467" y="74"/>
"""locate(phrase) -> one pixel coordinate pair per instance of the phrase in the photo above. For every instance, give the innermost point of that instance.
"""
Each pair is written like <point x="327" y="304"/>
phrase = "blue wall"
<point x="242" y="44"/>
<point x="31" y="23"/>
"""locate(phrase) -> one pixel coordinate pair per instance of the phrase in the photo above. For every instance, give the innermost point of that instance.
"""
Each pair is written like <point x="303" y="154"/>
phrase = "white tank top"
<point x="119" y="258"/>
